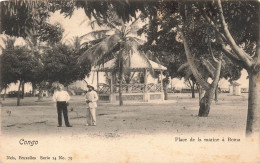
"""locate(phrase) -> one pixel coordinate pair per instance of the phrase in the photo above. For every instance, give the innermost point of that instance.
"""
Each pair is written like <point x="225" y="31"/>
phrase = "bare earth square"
<point x="176" y="115"/>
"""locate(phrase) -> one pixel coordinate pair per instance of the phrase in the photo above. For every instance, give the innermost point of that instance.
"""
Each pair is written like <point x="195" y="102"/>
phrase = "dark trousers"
<point x="62" y="108"/>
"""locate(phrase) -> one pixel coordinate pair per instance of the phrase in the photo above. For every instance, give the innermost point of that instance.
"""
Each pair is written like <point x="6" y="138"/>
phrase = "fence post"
<point x="146" y="95"/>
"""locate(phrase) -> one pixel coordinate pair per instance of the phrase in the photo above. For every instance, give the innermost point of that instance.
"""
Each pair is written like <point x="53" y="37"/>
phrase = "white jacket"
<point x="92" y="97"/>
<point x="61" y="96"/>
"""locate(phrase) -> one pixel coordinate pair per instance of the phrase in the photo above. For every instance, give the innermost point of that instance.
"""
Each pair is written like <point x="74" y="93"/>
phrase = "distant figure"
<point x="91" y="100"/>
<point x="62" y="98"/>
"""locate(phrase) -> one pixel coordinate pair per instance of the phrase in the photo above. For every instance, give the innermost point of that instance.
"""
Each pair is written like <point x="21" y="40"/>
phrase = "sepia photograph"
<point x="129" y="81"/>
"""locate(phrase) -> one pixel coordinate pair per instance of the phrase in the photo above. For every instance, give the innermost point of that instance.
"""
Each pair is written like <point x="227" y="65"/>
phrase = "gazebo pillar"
<point x="112" y="97"/>
<point x="111" y="84"/>
<point x="161" y="78"/>
<point x="97" y="81"/>
<point x="146" y="96"/>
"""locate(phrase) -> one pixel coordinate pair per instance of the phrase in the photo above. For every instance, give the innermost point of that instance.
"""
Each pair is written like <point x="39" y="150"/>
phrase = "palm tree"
<point x="117" y="40"/>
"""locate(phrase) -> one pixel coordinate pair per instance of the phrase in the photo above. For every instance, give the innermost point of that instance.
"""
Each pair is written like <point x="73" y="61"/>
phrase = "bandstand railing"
<point x="154" y="87"/>
<point x="103" y="88"/>
<point x="129" y="88"/>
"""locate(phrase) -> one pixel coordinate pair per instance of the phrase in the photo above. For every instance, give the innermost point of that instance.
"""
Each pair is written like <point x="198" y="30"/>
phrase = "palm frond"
<point x="135" y="22"/>
<point x="95" y="53"/>
<point x="65" y="36"/>
<point x="83" y="21"/>
<point x="92" y="23"/>
<point x="112" y="26"/>
<point x="96" y="34"/>
<point x="183" y="66"/>
<point x="134" y="26"/>
<point x="135" y="41"/>
<point x="92" y="42"/>
<point x="114" y="21"/>
<point x="113" y="53"/>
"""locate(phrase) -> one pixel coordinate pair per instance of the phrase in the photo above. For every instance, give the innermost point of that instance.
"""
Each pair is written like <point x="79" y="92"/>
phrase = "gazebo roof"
<point x="137" y="62"/>
<point x="234" y="84"/>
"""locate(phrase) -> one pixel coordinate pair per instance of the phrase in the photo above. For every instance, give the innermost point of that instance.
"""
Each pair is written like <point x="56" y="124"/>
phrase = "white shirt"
<point x="61" y="96"/>
<point x="93" y="97"/>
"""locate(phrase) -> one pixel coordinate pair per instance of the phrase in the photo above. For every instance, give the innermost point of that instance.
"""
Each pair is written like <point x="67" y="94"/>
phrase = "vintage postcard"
<point x="129" y="81"/>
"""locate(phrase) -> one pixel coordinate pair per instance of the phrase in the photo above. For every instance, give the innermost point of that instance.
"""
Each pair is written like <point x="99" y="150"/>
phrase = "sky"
<point x="77" y="25"/>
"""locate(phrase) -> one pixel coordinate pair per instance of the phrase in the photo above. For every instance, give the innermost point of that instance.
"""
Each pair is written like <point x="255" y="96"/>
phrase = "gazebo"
<point x="131" y="91"/>
<point x="234" y="89"/>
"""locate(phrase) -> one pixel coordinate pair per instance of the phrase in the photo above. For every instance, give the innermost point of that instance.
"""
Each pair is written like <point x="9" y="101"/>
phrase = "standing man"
<point x="62" y="98"/>
<point x="91" y="100"/>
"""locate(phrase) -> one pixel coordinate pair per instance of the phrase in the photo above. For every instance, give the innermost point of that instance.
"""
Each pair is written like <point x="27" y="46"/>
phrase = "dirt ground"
<point x="176" y="115"/>
<point x="136" y="132"/>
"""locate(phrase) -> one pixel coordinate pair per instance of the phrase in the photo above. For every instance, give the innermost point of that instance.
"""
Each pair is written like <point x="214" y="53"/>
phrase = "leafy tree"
<point x="60" y="65"/>
<point x="165" y="27"/>
<point x="238" y="53"/>
<point x="242" y="42"/>
<point x="37" y="47"/>
<point x="18" y="65"/>
<point x="28" y="19"/>
<point x="18" y="18"/>
<point x="7" y="76"/>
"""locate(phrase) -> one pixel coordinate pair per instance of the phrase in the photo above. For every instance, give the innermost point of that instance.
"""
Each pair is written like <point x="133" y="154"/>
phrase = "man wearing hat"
<point x="62" y="98"/>
<point x="91" y="100"/>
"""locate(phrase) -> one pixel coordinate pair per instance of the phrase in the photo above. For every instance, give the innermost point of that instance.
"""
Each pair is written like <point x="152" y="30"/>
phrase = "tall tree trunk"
<point x="4" y="94"/>
<point x="33" y="89"/>
<point x="252" y="124"/>
<point x="40" y="94"/>
<point x="1" y="17"/>
<point x="216" y="94"/>
<point x="120" y="93"/>
<point x="18" y="95"/>
<point x="203" y="83"/>
<point x="165" y="92"/>
<point x="120" y="79"/>
<point x="23" y="90"/>
<point x="205" y="103"/>
<point x="252" y="64"/>
<point x="193" y="90"/>
<point x="200" y="91"/>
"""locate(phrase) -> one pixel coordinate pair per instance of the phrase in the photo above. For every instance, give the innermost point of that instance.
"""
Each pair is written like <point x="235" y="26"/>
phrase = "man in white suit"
<point x="91" y="100"/>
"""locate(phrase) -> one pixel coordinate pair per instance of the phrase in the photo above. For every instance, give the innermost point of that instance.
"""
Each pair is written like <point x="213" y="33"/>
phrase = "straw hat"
<point x="90" y="86"/>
